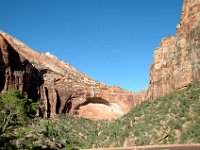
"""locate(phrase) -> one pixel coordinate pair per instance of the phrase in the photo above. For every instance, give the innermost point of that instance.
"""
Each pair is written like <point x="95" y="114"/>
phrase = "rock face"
<point x="177" y="60"/>
<point x="56" y="86"/>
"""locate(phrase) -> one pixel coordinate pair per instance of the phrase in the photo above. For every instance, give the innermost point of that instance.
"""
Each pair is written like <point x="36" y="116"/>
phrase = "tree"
<point x="15" y="109"/>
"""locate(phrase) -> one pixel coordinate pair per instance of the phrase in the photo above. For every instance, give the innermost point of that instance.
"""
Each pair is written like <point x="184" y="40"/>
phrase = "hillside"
<point x="169" y="119"/>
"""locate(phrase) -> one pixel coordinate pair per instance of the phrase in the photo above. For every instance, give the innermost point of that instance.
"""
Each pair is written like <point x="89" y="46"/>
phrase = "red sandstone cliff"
<point x="177" y="60"/>
<point x="56" y="86"/>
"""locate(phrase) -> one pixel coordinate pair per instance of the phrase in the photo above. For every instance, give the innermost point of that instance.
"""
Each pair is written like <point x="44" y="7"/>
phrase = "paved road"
<point x="171" y="148"/>
<point x="163" y="147"/>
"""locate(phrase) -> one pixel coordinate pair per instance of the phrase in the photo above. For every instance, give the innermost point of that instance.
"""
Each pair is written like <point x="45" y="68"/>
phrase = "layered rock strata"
<point x="56" y="86"/>
<point x="177" y="60"/>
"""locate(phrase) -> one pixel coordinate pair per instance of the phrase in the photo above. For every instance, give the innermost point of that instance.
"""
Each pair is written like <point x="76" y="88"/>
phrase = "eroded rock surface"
<point x="177" y="60"/>
<point x="56" y="86"/>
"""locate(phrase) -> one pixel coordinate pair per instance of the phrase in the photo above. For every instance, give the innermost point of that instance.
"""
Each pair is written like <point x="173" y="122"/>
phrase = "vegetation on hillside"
<point x="170" y="119"/>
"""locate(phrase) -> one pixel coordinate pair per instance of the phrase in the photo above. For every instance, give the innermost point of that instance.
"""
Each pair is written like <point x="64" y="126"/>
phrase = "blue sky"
<point x="111" y="41"/>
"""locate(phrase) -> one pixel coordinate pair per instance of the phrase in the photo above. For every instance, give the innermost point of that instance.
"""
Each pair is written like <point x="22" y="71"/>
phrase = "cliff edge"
<point x="177" y="60"/>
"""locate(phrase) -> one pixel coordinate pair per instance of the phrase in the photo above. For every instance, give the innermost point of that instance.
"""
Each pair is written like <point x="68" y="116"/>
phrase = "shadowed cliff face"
<point x="17" y="72"/>
<point x="177" y="60"/>
<point x="2" y="66"/>
<point x="56" y="86"/>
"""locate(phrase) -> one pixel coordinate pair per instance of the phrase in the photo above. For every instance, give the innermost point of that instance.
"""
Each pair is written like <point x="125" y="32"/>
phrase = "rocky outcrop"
<point x="177" y="60"/>
<point x="56" y="86"/>
<point x="104" y="102"/>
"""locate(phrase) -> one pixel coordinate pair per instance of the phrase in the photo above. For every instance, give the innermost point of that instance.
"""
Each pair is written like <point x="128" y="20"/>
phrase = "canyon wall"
<point x="177" y="60"/>
<point x="56" y="86"/>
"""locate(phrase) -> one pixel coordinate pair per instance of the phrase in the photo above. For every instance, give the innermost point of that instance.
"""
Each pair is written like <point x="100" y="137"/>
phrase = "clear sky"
<point x="111" y="41"/>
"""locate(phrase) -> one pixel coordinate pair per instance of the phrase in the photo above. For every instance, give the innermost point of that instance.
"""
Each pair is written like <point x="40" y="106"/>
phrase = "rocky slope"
<point x="177" y="60"/>
<point x="57" y="86"/>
